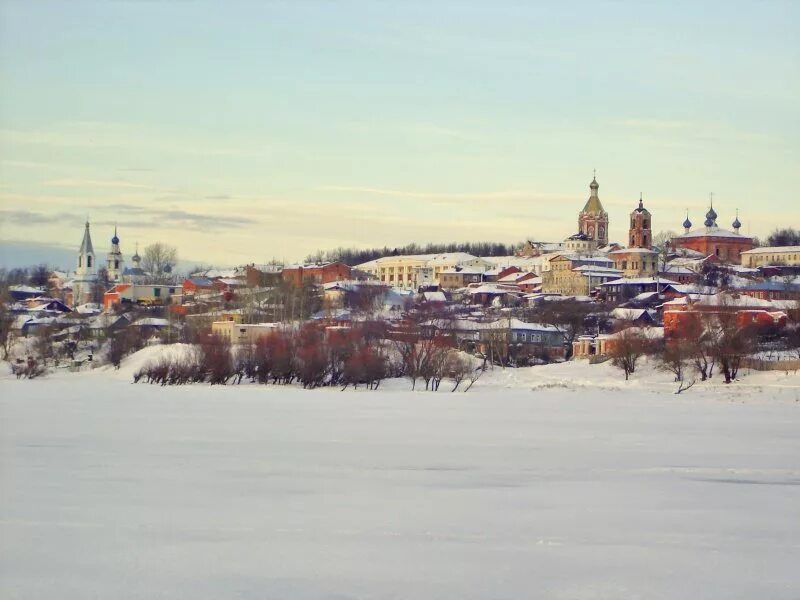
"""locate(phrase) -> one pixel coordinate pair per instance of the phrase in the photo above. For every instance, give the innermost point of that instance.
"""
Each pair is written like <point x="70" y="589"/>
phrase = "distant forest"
<point x="356" y="256"/>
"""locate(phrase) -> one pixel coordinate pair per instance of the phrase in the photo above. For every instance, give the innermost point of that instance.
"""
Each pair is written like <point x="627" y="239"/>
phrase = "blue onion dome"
<point x="687" y="223"/>
<point x="711" y="214"/>
<point x="736" y="223"/>
<point x="115" y="240"/>
<point x="709" y="222"/>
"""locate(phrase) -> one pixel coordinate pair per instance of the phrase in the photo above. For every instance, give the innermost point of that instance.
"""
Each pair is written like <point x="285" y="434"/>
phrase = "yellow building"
<point x="771" y="255"/>
<point x="241" y="333"/>
<point x="414" y="271"/>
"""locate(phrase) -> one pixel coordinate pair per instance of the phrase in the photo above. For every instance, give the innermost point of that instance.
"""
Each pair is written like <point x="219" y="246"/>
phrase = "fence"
<point x="758" y="364"/>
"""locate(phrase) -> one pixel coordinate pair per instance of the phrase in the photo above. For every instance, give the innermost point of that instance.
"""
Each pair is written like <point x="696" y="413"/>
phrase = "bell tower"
<point x="85" y="272"/>
<point x="640" y="234"/>
<point x="593" y="220"/>
<point x="114" y="261"/>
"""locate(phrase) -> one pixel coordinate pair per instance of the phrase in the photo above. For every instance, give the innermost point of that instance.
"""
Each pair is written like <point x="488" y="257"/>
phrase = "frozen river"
<point x="111" y="490"/>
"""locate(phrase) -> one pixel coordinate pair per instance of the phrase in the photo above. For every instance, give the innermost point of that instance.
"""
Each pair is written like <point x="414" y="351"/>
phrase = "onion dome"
<point x="594" y="185"/>
<point x="737" y="224"/>
<point x="115" y="240"/>
<point x="687" y="224"/>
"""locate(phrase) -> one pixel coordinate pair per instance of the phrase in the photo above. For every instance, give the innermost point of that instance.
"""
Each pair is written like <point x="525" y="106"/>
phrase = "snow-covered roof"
<point x="463" y="271"/>
<point x="773" y="250"/>
<point x="434" y="296"/>
<point x="640" y="281"/>
<point x="26" y="289"/>
<point x="632" y="251"/>
<point x="711" y="232"/>
<point x="151" y="322"/>
<point x="629" y="314"/>
<point x="488" y="288"/>
<point x="514" y="277"/>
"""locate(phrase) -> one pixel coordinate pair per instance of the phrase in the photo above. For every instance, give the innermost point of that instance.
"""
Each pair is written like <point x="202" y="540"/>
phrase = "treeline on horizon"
<point x="356" y="256"/>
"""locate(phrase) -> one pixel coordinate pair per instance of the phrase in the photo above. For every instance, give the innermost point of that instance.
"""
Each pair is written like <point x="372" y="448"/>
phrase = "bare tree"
<point x="158" y="259"/>
<point x="675" y="358"/>
<point x="6" y="328"/>
<point x="39" y="276"/>
<point x="570" y="317"/>
<point x="629" y="346"/>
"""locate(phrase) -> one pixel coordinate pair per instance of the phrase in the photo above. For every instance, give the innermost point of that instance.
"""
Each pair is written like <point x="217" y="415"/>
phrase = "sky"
<point x="246" y="131"/>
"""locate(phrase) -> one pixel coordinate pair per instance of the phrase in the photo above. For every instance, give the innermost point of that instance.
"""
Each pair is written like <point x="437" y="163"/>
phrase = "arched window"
<point x="80" y="261"/>
<point x="89" y="261"/>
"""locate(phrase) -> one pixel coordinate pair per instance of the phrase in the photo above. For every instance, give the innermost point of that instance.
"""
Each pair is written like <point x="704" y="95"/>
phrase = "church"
<point x="711" y="239"/>
<point x="638" y="259"/>
<point x="592" y="224"/>
<point x="87" y="277"/>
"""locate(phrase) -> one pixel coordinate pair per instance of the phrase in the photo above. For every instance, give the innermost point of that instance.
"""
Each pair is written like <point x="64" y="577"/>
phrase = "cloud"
<point x="175" y="218"/>
<point x="447" y="196"/>
<point x="27" y="217"/>
<point x="96" y="183"/>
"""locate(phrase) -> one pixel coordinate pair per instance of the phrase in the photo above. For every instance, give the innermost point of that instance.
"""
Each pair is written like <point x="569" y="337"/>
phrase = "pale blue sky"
<point x="240" y="131"/>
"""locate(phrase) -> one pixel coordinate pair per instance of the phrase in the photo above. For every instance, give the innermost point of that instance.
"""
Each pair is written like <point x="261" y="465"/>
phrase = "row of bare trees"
<point x="313" y="358"/>
<point x="716" y="342"/>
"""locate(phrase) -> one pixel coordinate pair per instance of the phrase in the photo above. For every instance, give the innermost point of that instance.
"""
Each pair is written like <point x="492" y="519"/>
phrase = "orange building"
<point x="713" y="240"/>
<point x="683" y="318"/>
<point x="319" y="274"/>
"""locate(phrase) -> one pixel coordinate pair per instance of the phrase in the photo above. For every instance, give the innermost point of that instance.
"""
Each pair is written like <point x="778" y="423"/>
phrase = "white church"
<point x="86" y="273"/>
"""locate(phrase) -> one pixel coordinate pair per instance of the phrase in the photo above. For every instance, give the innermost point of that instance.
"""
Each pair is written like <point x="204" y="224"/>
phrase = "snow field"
<point x="114" y="490"/>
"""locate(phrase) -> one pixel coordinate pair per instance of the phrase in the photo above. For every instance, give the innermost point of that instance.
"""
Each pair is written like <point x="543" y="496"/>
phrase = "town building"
<point x="319" y="274"/>
<point x="565" y="275"/>
<point x="416" y="271"/>
<point x="726" y="245"/>
<point x="459" y="277"/>
<point x="122" y="294"/>
<point x="243" y="333"/>
<point x="771" y="255"/>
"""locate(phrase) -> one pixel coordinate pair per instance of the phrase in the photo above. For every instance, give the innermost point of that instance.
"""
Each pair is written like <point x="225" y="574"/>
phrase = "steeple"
<point x="86" y="263"/>
<point x="86" y="271"/>
<point x="114" y="261"/>
<point x="711" y="215"/>
<point x="640" y="233"/>
<point x="687" y="224"/>
<point x="736" y="223"/>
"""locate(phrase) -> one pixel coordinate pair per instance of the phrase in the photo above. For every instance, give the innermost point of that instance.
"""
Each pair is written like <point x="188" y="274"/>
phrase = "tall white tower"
<point x="86" y="272"/>
<point x="115" y="263"/>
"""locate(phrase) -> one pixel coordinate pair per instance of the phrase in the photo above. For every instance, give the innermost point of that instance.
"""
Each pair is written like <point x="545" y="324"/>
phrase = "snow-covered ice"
<point x="114" y="490"/>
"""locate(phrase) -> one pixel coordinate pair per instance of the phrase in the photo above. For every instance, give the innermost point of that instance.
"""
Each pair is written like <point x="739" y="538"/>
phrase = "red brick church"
<point x="726" y="245"/>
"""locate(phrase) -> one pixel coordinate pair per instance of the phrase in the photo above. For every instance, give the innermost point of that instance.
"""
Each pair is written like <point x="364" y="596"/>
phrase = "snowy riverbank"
<point x="553" y="482"/>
